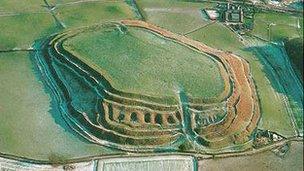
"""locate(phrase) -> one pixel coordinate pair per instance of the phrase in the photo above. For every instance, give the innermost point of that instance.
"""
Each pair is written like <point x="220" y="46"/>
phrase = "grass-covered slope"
<point x="140" y="62"/>
<point x="31" y="126"/>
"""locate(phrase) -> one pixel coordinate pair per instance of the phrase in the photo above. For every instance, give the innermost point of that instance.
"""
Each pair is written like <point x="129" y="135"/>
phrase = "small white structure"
<point x="212" y="14"/>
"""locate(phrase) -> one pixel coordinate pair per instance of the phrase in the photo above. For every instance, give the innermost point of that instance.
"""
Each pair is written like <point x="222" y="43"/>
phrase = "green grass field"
<point x="285" y="26"/>
<point x="23" y="23"/>
<point x="22" y="30"/>
<point x="89" y="13"/>
<point x="31" y="126"/>
<point x="148" y="64"/>
<point x="173" y="3"/>
<point x="176" y="21"/>
<point x="21" y="6"/>
<point x="59" y="2"/>
<point x="216" y="35"/>
<point x="177" y="16"/>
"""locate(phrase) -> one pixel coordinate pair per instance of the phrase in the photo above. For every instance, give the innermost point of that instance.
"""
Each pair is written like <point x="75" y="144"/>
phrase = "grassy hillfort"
<point x="183" y="85"/>
<point x="139" y="118"/>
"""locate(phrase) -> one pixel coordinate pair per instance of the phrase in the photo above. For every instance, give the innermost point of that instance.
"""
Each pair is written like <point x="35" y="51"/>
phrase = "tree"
<point x="294" y="49"/>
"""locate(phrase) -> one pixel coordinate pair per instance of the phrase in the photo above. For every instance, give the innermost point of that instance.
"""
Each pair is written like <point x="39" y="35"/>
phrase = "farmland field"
<point x="75" y="15"/>
<point x="16" y="6"/>
<point x="284" y="26"/>
<point x="175" y="16"/>
<point x="217" y="35"/>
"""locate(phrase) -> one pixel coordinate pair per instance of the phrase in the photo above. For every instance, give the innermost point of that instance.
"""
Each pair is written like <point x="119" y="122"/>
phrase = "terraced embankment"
<point x="135" y="122"/>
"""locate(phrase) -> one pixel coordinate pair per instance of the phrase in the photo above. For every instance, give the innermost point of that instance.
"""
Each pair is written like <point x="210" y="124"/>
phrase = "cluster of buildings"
<point x="230" y="14"/>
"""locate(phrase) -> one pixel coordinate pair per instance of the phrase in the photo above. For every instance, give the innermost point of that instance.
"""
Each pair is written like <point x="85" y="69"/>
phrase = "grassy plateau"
<point x="145" y="63"/>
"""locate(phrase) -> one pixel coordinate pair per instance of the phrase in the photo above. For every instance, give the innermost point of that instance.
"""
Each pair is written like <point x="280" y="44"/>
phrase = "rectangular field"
<point x="93" y="12"/>
<point x="177" y="16"/>
<point x="151" y="163"/>
<point x="280" y="26"/>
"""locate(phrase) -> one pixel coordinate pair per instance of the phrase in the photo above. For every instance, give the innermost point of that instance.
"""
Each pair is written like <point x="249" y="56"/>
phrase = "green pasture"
<point x="73" y="2"/>
<point x="21" y="6"/>
<point x="31" y="125"/>
<point x="218" y="36"/>
<point x="285" y="26"/>
<point x="88" y="13"/>
<point x="147" y="64"/>
<point x="172" y="3"/>
<point x="177" y="16"/>
<point x="60" y="2"/>
<point x="177" y="21"/>
<point x="22" y="30"/>
<point x="274" y="114"/>
<point x="32" y="21"/>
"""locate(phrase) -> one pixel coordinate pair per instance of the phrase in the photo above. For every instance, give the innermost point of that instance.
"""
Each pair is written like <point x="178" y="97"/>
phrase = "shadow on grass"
<point x="54" y="107"/>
